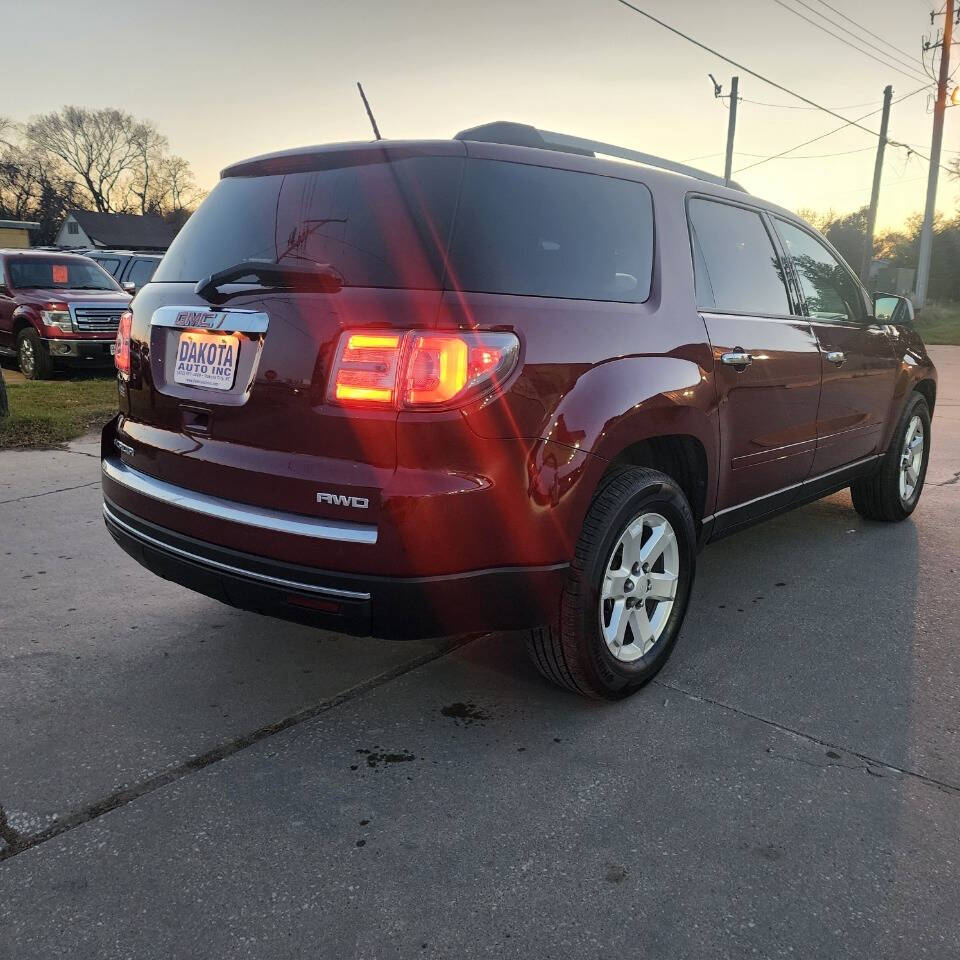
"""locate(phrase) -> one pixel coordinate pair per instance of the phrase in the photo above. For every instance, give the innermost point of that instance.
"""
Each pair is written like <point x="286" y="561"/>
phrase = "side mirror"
<point x="889" y="308"/>
<point x="130" y="287"/>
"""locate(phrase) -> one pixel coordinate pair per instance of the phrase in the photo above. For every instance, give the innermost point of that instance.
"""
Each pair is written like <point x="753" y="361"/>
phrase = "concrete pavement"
<point x="789" y="786"/>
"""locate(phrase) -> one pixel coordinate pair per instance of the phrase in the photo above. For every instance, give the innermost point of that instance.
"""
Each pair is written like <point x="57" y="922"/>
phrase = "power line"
<point x="746" y="69"/>
<point x="791" y="106"/>
<point x="802" y="156"/>
<point x="830" y="133"/>
<point x="775" y="85"/>
<point x="860" y="26"/>
<point x="806" y="143"/>
<point x="915" y="73"/>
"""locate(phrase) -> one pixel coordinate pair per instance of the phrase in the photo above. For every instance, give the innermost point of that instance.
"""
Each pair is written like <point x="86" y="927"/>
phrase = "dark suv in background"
<point x="131" y="270"/>
<point x="416" y="388"/>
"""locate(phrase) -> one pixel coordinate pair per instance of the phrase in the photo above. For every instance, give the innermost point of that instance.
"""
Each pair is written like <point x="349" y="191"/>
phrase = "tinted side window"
<point x="744" y="274"/>
<point x="828" y="287"/>
<point x="141" y="271"/>
<point x="542" y="232"/>
<point x="110" y="264"/>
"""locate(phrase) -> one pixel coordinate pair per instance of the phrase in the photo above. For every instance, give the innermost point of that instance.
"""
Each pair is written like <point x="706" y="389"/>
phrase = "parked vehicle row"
<point x="57" y="308"/>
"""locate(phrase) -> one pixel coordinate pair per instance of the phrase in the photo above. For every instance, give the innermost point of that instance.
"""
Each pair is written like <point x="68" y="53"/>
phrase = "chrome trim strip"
<point x="766" y="496"/>
<point x="228" y="568"/>
<point x="97" y="325"/>
<point x="846" y="466"/>
<point x="228" y="321"/>
<point x="263" y="518"/>
<point x="793" y="486"/>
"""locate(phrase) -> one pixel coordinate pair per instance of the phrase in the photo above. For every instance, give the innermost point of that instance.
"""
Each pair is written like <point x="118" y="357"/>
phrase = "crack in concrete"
<point x="9" y="836"/>
<point x="120" y="798"/>
<point x="821" y="766"/>
<point x="873" y="764"/>
<point x="946" y="483"/>
<point x="47" y="493"/>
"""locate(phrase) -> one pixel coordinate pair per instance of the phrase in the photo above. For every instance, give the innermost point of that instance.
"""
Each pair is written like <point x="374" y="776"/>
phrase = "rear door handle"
<point x="737" y="358"/>
<point x="837" y="357"/>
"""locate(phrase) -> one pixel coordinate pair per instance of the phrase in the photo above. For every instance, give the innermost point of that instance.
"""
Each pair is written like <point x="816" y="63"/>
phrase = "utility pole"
<point x="875" y="192"/>
<point x="926" y="233"/>
<point x="731" y="129"/>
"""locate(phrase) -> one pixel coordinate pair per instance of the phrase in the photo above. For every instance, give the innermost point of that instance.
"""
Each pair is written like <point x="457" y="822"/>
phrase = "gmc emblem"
<point x="342" y="500"/>
<point x="199" y="318"/>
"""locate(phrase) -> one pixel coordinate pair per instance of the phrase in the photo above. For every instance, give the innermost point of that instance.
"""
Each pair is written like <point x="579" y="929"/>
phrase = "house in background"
<point x="16" y="233"/>
<point x="115" y="231"/>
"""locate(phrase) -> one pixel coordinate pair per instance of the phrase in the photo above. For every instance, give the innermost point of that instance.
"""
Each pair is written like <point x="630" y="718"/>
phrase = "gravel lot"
<point x="180" y="779"/>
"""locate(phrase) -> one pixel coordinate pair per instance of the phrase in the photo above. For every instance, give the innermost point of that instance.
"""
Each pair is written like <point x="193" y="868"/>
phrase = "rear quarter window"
<point x="736" y="266"/>
<point x="538" y="231"/>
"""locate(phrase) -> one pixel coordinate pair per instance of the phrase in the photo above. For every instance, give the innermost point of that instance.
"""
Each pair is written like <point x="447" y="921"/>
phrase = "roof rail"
<point x="525" y="135"/>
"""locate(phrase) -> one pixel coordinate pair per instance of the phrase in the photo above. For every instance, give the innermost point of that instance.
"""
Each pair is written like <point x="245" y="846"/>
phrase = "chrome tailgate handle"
<point x="837" y="357"/>
<point x="223" y="321"/>
<point x="737" y="358"/>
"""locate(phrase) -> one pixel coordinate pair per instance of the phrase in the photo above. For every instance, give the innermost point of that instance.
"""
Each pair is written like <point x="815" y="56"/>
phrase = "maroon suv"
<point x="57" y="308"/>
<point x="416" y="388"/>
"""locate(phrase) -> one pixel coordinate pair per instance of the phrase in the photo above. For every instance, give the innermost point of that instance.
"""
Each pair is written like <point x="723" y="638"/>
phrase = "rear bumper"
<point x="390" y="607"/>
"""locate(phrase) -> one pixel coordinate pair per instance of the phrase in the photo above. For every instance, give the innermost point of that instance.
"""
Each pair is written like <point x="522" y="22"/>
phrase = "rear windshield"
<point x="46" y="274"/>
<point x="519" y="229"/>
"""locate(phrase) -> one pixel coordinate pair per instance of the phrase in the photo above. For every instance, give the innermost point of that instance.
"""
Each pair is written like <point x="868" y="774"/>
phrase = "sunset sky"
<point x="228" y="80"/>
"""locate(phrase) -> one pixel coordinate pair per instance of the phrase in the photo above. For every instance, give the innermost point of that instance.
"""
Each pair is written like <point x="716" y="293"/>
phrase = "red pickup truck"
<point x="57" y="308"/>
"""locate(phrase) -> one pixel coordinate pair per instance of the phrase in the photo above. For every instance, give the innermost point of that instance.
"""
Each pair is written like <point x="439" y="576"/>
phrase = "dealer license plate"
<point x="207" y="360"/>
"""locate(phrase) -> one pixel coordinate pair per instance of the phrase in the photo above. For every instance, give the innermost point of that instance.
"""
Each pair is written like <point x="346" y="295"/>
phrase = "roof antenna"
<point x="373" y="123"/>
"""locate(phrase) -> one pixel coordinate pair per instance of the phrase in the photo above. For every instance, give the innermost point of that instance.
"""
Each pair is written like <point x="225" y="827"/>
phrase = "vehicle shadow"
<point x="11" y="372"/>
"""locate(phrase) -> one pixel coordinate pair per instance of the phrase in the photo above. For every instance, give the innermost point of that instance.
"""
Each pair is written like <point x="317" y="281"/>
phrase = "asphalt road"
<point x="179" y="779"/>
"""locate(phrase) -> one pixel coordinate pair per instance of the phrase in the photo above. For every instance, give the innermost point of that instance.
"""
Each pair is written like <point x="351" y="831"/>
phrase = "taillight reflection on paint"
<point x="419" y="369"/>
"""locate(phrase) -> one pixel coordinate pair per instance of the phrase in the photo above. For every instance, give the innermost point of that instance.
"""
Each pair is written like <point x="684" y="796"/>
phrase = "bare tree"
<point x="101" y="146"/>
<point x="178" y="191"/>
<point x="35" y="186"/>
<point x="151" y="148"/>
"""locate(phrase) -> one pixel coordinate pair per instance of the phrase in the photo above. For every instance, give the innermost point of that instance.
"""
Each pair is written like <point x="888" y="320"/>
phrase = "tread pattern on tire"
<point x="877" y="496"/>
<point x="551" y="647"/>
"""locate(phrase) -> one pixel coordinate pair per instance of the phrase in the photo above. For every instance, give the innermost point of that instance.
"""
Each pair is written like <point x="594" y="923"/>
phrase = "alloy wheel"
<point x="639" y="587"/>
<point x="911" y="459"/>
<point x="27" y="360"/>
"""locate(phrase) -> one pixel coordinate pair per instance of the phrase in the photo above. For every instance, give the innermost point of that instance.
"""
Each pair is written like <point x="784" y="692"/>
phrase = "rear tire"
<point x="893" y="490"/>
<point x="627" y="590"/>
<point x="32" y="355"/>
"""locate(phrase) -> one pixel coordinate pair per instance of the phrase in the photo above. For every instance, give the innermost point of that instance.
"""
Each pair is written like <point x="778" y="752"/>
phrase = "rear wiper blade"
<point x="317" y="277"/>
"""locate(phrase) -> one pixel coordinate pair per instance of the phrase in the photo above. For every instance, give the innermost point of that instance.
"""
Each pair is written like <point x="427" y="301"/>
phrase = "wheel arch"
<point x="681" y="457"/>
<point x="927" y="388"/>
<point x="22" y="319"/>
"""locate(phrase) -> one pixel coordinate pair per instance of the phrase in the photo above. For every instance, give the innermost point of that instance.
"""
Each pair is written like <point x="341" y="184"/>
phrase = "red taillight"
<point x="366" y="370"/>
<point x="419" y="368"/>
<point x="121" y="354"/>
<point x="436" y="369"/>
